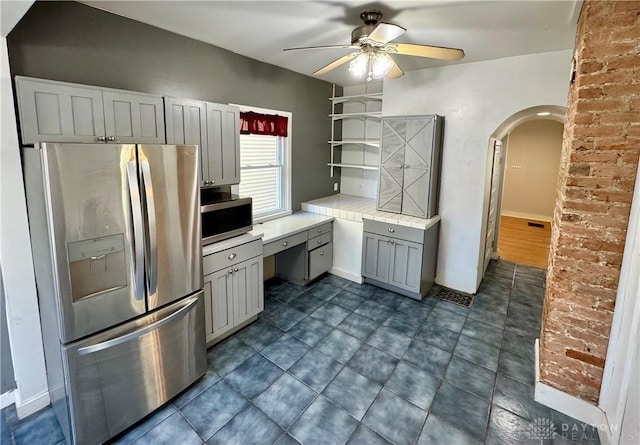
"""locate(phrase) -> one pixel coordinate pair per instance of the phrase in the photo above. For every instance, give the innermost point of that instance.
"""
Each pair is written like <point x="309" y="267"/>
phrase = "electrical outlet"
<point x="335" y="186"/>
<point x="361" y="187"/>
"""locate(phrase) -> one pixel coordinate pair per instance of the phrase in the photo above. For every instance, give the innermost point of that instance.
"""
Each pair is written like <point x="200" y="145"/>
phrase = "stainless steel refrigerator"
<point x="115" y="234"/>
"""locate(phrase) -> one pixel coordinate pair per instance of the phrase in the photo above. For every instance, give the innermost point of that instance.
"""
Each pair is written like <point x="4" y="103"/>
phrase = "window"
<point x="264" y="171"/>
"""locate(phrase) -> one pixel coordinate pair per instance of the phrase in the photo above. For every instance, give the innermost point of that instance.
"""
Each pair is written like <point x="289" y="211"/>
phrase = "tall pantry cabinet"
<point x="409" y="171"/>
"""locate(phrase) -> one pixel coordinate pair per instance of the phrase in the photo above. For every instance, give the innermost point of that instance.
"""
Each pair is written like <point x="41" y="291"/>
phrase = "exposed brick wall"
<point x="597" y="173"/>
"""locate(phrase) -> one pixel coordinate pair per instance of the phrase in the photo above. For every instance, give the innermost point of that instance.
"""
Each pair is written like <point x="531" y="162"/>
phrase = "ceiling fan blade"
<point x="322" y="47"/>
<point x="386" y="32"/>
<point x="336" y="63"/>
<point x="395" y="72"/>
<point x="435" y="52"/>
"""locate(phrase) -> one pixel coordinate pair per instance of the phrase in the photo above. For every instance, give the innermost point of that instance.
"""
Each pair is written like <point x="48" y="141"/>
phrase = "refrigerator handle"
<point x="151" y="221"/>
<point x="138" y="237"/>
<point x="184" y="310"/>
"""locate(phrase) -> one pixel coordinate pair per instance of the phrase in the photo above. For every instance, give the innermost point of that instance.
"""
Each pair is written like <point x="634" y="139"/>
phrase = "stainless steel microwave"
<point x="224" y="215"/>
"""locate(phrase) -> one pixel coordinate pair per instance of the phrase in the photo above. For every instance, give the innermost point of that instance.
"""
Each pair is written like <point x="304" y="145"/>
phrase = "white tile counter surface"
<point x="356" y="208"/>
<point x="289" y="225"/>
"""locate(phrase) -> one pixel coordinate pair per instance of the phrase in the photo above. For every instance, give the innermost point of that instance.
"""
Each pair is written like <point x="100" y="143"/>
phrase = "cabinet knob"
<point x="235" y="270"/>
<point x="319" y="241"/>
<point x="285" y="244"/>
<point x="322" y="253"/>
<point x="230" y="272"/>
<point x="391" y="230"/>
<point x="111" y="139"/>
<point x="406" y="166"/>
<point x="319" y="230"/>
<point x="102" y="138"/>
<point x="392" y="241"/>
<point x="232" y="256"/>
<point x="213" y="181"/>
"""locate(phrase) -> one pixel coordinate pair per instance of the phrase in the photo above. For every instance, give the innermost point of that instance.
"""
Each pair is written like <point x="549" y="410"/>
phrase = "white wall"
<point x="17" y="265"/>
<point x="474" y="98"/>
<point x="353" y="181"/>
<point x="531" y="170"/>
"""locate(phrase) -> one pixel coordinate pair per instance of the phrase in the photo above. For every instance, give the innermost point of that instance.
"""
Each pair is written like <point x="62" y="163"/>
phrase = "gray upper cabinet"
<point x="213" y="127"/>
<point x="186" y="123"/>
<point x="64" y="112"/>
<point x="221" y="160"/>
<point x="410" y="150"/>
<point x="133" y="118"/>
<point x="55" y="112"/>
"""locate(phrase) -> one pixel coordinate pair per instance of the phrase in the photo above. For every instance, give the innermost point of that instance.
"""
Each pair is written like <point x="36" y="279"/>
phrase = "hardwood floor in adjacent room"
<point x="524" y="241"/>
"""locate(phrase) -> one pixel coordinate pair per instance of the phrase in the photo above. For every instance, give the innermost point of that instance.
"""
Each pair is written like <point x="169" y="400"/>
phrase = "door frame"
<point x="500" y="179"/>
<point x="625" y="329"/>
<point x="556" y="113"/>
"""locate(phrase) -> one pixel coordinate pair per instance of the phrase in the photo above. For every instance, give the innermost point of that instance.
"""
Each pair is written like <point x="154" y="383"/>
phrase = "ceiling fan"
<point x="373" y="44"/>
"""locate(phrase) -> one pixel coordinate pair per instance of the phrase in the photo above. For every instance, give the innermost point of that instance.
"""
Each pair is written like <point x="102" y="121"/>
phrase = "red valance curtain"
<point x="267" y="124"/>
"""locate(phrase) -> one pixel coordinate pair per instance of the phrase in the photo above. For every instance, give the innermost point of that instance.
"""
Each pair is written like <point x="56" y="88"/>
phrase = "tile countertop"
<point x="289" y="225"/>
<point x="356" y="208"/>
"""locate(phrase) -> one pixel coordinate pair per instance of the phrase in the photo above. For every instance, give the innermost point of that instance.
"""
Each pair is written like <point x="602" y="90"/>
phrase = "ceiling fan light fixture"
<point x="359" y="65"/>
<point x="381" y="64"/>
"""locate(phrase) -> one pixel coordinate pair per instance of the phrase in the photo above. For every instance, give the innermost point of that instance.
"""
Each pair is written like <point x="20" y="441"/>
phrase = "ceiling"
<point x="261" y="29"/>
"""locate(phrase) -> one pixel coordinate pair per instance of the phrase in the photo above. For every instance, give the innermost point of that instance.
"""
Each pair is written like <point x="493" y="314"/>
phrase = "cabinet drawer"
<point x="320" y="260"/>
<point x="234" y="255"/>
<point x="320" y="230"/>
<point x="284" y="243"/>
<point x="394" y="231"/>
<point x="319" y="240"/>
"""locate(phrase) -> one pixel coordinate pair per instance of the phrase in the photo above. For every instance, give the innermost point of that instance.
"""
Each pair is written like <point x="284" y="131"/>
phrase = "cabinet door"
<point x="419" y="132"/>
<point x="133" y="118"/>
<point x="51" y="112"/>
<point x="391" y="171"/>
<point x="375" y="261"/>
<point x="187" y="124"/>
<point x="218" y="294"/>
<point x="248" y="289"/>
<point x="222" y="161"/>
<point x="406" y="264"/>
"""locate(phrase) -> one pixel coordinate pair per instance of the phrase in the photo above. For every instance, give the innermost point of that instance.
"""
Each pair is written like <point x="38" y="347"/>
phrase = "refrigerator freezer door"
<point x="95" y="226"/>
<point x="171" y="200"/>
<point x="119" y="376"/>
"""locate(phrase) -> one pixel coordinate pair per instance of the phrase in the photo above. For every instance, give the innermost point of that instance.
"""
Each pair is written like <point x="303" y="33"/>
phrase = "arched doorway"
<point x="498" y="147"/>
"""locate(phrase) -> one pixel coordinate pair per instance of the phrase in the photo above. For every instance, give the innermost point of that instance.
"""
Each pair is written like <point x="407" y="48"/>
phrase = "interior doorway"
<point x="524" y="156"/>
<point x="532" y="163"/>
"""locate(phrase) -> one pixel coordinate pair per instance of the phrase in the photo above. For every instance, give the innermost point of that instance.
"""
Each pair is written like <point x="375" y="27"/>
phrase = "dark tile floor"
<point x="339" y="362"/>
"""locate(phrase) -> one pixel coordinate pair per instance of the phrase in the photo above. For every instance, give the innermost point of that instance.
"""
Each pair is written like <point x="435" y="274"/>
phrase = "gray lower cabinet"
<point x="409" y="170"/>
<point x="303" y="256"/>
<point x="399" y="258"/>
<point x="233" y="289"/>
<point x="64" y="112"/>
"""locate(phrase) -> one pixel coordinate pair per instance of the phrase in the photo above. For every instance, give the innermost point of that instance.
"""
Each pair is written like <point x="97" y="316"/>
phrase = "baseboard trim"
<point x="33" y="405"/>
<point x="357" y="278"/>
<point x="566" y="403"/>
<point x="6" y="399"/>
<point x="521" y="215"/>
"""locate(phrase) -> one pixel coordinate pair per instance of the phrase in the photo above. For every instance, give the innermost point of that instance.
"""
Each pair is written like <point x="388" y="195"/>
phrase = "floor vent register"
<point x="454" y="297"/>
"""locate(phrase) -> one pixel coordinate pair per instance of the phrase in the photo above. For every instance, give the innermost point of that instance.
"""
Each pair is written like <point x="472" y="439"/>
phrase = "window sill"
<point x="271" y="216"/>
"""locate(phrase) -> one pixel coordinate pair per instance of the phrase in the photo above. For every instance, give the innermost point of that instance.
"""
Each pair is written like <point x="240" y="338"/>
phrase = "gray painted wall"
<point x="72" y="42"/>
<point x="7" y="379"/>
